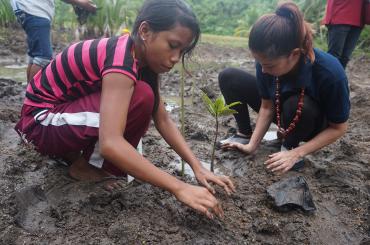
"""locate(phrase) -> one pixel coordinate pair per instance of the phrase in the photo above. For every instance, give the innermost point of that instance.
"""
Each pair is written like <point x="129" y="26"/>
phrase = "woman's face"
<point x="278" y="66"/>
<point x="164" y="49"/>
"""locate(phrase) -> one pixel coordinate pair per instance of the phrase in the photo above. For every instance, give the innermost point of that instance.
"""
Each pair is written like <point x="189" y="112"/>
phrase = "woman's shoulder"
<point x="326" y="64"/>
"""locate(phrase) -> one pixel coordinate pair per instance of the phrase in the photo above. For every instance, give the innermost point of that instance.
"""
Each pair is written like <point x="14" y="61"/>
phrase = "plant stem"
<point x="182" y="114"/>
<point x="214" y="147"/>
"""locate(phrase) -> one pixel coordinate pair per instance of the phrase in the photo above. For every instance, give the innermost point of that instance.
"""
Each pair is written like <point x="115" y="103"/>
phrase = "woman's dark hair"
<point x="163" y="15"/>
<point x="277" y="34"/>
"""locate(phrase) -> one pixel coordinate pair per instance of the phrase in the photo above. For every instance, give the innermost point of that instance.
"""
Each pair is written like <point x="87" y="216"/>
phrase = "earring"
<point x="142" y="38"/>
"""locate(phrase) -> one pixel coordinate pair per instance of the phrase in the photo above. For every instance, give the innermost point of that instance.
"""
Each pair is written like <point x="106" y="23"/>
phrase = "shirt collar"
<point x="304" y="73"/>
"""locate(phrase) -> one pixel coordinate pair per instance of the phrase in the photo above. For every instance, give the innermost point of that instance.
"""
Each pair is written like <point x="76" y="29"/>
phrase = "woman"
<point x="301" y="89"/>
<point x="106" y="90"/>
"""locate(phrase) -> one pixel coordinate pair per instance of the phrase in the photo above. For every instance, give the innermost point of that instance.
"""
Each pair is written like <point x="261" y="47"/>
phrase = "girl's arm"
<point x="263" y="122"/>
<point x="169" y="131"/>
<point x="283" y="161"/>
<point x="117" y="90"/>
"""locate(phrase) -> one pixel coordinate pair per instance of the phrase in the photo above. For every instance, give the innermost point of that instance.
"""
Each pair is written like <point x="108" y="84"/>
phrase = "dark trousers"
<point x="342" y="41"/>
<point x="239" y="85"/>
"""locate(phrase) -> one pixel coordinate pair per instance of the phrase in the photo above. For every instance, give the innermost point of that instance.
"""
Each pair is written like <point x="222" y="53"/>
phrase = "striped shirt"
<point x="78" y="71"/>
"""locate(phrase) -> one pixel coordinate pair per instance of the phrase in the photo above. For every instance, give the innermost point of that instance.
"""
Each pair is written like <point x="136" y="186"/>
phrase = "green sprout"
<point x="217" y="109"/>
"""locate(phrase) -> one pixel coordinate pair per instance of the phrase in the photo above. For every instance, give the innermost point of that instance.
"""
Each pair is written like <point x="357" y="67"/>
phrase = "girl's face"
<point x="164" y="49"/>
<point x="278" y="66"/>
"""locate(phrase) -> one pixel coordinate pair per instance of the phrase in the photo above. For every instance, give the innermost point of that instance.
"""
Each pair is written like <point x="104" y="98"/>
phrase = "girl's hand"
<point x="205" y="176"/>
<point x="200" y="199"/>
<point x="247" y="149"/>
<point x="281" y="162"/>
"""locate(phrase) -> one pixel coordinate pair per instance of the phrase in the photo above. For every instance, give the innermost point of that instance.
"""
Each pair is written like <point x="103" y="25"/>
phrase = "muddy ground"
<point x="40" y="204"/>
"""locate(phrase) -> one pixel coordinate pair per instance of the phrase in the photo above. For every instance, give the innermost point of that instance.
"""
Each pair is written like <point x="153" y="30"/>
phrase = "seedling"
<point x="217" y="109"/>
<point x="182" y="116"/>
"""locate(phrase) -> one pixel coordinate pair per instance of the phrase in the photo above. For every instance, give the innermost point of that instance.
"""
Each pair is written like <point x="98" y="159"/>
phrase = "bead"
<point x="296" y="118"/>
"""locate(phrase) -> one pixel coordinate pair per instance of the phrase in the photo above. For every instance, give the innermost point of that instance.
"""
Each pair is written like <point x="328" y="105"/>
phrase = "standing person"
<point x="301" y="89"/>
<point x="35" y="18"/>
<point x="106" y="90"/>
<point x="344" y="20"/>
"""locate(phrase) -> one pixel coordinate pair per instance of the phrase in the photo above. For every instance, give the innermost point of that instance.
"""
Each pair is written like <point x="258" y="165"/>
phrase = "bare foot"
<point x="80" y="169"/>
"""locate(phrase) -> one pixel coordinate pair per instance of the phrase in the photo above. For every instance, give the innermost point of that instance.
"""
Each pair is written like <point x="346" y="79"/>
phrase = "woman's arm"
<point x="263" y="122"/>
<point x="85" y="4"/>
<point x="169" y="131"/>
<point x="283" y="161"/>
<point x="117" y="90"/>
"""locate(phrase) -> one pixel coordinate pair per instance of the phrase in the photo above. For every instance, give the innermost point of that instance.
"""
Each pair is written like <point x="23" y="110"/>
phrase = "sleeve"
<point x="335" y="99"/>
<point x="119" y="58"/>
<point x="261" y="83"/>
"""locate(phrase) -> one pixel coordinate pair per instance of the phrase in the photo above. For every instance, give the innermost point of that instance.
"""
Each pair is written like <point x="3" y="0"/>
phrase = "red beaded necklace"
<point x="292" y="125"/>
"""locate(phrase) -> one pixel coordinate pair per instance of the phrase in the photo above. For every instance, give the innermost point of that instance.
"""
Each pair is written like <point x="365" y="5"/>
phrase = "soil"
<point x="41" y="204"/>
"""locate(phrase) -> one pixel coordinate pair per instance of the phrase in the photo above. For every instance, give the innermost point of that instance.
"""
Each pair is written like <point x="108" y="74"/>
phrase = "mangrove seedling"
<point x="182" y="115"/>
<point x="217" y="109"/>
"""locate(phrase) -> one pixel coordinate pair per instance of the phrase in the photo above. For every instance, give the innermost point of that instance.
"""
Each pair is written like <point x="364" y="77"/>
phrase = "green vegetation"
<point x="6" y="14"/>
<point x="217" y="17"/>
<point x="217" y="109"/>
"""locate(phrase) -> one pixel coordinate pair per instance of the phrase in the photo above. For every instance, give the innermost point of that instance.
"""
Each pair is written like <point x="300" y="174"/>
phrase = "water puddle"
<point x="14" y="72"/>
<point x="174" y="102"/>
<point x="176" y="164"/>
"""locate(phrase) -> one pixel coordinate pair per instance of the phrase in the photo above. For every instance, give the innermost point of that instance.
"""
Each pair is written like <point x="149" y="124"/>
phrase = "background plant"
<point x="217" y="109"/>
<point x="6" y="14"/>
<point x="220" y="17"/>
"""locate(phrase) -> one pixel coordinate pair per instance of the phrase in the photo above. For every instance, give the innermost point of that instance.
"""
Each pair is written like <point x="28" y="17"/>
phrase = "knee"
<point x="143" y="98"/>
<point x="309" y="109"/>
<point x="225" y="77"/>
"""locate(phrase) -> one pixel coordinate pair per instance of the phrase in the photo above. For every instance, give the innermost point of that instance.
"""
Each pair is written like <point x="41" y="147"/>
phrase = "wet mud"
<point x="41" y="204"/>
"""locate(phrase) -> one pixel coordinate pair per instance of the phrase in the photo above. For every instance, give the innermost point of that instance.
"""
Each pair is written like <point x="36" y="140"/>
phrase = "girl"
<point x="301" y="89"/>
<point x="107" y="90"/>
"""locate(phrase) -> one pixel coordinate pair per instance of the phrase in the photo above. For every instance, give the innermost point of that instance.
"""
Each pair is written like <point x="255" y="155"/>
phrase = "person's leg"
<point x="39" y="43"/>
<point x="310" y="123"/>
<point x="71" y="130"/>
<point x="239" y="85"/>
<point x="337" y="35"/>
<point x="350" y="44"/>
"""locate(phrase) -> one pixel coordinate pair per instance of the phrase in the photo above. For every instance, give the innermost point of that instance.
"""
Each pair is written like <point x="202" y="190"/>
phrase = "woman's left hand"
<point x="205" y="176"/>
<point x="281" y="162"/>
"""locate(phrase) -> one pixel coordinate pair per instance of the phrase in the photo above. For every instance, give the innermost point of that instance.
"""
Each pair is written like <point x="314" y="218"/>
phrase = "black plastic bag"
<point x="291" y="193"/>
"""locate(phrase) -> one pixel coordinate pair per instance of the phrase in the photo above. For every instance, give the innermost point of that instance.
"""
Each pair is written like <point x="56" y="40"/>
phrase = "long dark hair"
<point x="163" y="15"/>
<point x="277" y="34"/>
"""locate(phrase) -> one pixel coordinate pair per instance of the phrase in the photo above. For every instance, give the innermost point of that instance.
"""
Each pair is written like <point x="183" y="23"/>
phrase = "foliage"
<point x="217" y="109"/>
<point x="217" y="17"/>
<point x="7" y="17"/>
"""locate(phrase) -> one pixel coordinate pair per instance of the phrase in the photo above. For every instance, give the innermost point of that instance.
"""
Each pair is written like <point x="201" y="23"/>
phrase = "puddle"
<point x="14" y="72"/>
<point x="189" y="171"/>
<point x="174" y="102"/>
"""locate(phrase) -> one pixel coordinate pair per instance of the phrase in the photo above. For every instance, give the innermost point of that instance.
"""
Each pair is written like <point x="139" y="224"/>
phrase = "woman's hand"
<point x="205" y="176"/>
<point x="247" y="149"/>
<point x="281" y="162"/>
<point x="200" y="199"/>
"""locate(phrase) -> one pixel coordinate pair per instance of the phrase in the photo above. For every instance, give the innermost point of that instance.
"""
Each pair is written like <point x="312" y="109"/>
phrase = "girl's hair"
<point x="277" y="34"/>
<point x="163" y="15"/>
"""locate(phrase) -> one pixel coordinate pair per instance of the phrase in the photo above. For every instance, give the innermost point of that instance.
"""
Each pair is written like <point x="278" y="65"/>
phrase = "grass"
<point x="224" y="41"/>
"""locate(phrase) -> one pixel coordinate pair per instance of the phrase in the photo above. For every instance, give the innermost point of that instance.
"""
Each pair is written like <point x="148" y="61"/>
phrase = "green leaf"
<point x="227" y="112"/>
<point x="233" y="104"/>
<point x="209" y="104"/>
<point x="219" y="105"/>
